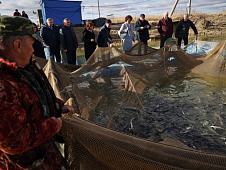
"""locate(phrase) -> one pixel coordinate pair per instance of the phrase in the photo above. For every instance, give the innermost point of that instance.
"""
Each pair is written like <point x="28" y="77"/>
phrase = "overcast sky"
<point x="118" y="8"/>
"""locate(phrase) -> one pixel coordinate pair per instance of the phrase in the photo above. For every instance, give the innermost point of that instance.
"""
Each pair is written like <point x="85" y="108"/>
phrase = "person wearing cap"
<point x="68" y="41"/>
<point x="104" y="38"/>
<point x="142" y="27"/>
<point x="182" y="30"/>
<point x="24" y="14"/>
<point x="28" y="105"/>
<point x="165" y="28"/>
<point x="51" y="38"/>
<point x="16" y="13"/>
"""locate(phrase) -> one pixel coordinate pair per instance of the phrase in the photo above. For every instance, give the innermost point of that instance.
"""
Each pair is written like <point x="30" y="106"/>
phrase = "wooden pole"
<point x="98" y="7"/>
<point x="189" y="7"/>
<point x="174" y="6"/>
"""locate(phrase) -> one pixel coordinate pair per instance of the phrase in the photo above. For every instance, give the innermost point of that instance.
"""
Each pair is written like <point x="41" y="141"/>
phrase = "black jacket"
<point x="103" y="37"/>
<point x="38" y="48"/>
<point x="142" y="35"/>
<point x="88" y="44"/>
<point x="50" y="37"/>
<point x="25" y="15"/>
<point x="68" y="39"/>
<point x="182" y="29"/>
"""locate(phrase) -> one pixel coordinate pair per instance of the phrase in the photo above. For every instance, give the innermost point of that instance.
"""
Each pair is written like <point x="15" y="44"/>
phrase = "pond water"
<point x="187" y="107"/>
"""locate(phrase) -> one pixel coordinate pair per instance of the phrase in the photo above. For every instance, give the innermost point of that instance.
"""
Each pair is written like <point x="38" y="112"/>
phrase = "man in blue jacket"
<point x="182" y="30"/>
<point x="68" y="41"/>
<point x="104" y="38"/>
<point x="51" y="38"/>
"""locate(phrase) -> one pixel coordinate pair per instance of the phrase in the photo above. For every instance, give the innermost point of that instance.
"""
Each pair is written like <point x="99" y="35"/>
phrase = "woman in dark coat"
<point x="88" y="38"/>
<point x="38" y="47"/>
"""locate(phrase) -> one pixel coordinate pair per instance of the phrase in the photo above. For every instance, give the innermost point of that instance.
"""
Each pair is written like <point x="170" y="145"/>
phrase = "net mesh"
<point x="111" y="84"/>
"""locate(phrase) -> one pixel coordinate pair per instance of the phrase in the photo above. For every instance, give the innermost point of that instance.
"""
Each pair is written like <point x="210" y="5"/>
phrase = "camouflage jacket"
<point x="25" y="130"/>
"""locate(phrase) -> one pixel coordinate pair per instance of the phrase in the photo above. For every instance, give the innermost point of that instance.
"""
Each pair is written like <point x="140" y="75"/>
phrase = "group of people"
<point x="165" y="29"/>
<point x="18" y="14"/>
<point x="57" y="42"/>
<point x="30" y="111"/>
<point x="63" y="42"/>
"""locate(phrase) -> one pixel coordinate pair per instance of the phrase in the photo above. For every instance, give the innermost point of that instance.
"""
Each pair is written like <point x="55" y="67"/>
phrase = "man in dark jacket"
<point x="24" y="14"/>
<point x="182" y="30"/>
<point x="68" y="41"/>
<point x="51" y="39"/>
<point x="165" y="28"/>
<point x="141" y="27"/>
<point x="104" y="38"/>
<point x="28" y="105"/>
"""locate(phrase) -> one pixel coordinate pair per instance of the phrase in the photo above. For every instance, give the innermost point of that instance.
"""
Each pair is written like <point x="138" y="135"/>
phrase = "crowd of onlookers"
<point x="18" y="14"/>
<point x="62" y="43"/>
<point x="165" y="29"/>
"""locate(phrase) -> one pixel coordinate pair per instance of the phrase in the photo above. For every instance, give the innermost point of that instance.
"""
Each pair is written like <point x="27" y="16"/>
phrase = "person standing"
<point x="24" y="14"/>
<point x="88" y="37"/>
<point x="16" y="13"/>
<point x="165" y="28"/>
<point x="142" y="27"/>
<point x="127" y="31"/>
<point x="38" y="46"/>
<point x="51" y="39"/>
<point x="29" y="108"/>
<point x="182" y="30"/>
<point x="104" y="38"/>
<point x="68" y="41"/>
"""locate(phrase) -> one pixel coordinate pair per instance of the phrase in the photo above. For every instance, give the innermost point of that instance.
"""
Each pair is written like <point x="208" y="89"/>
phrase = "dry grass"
<point x="176" y="16"/>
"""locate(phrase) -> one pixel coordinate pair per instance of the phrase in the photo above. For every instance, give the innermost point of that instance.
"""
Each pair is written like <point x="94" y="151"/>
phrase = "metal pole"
<point x="98" y="8"/>
<point x="172" y="10"/>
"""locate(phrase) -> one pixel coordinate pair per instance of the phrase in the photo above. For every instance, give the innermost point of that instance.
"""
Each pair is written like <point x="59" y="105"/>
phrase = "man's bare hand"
<point x="59" y="123"/>
<point x="92" y="40"/>
<point x="142" y="28"/>
<point x="67" y="109"/>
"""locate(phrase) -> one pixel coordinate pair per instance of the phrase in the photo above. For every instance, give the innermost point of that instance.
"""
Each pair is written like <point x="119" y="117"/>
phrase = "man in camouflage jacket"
<point x="28" y="105"/>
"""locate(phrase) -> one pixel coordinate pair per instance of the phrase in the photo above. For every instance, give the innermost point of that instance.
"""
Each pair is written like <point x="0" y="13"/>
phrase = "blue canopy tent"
<point x="58" y="10"/>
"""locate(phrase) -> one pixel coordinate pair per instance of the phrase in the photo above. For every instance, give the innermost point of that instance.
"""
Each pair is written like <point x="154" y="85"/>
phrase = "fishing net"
<point x="126" y="117"/>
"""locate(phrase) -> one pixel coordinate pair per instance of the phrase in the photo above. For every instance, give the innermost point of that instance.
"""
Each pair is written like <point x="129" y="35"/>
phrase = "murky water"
<point x="187" y="108"/>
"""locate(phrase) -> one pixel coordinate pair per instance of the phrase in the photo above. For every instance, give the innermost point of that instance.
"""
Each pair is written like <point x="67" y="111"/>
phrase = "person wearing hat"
<point x="182" y="30"/>
<point x="28" y="105"/>
<point x="141" y="27"/>
<point x="104" y="39"/>
<point x="16" y="13"/>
